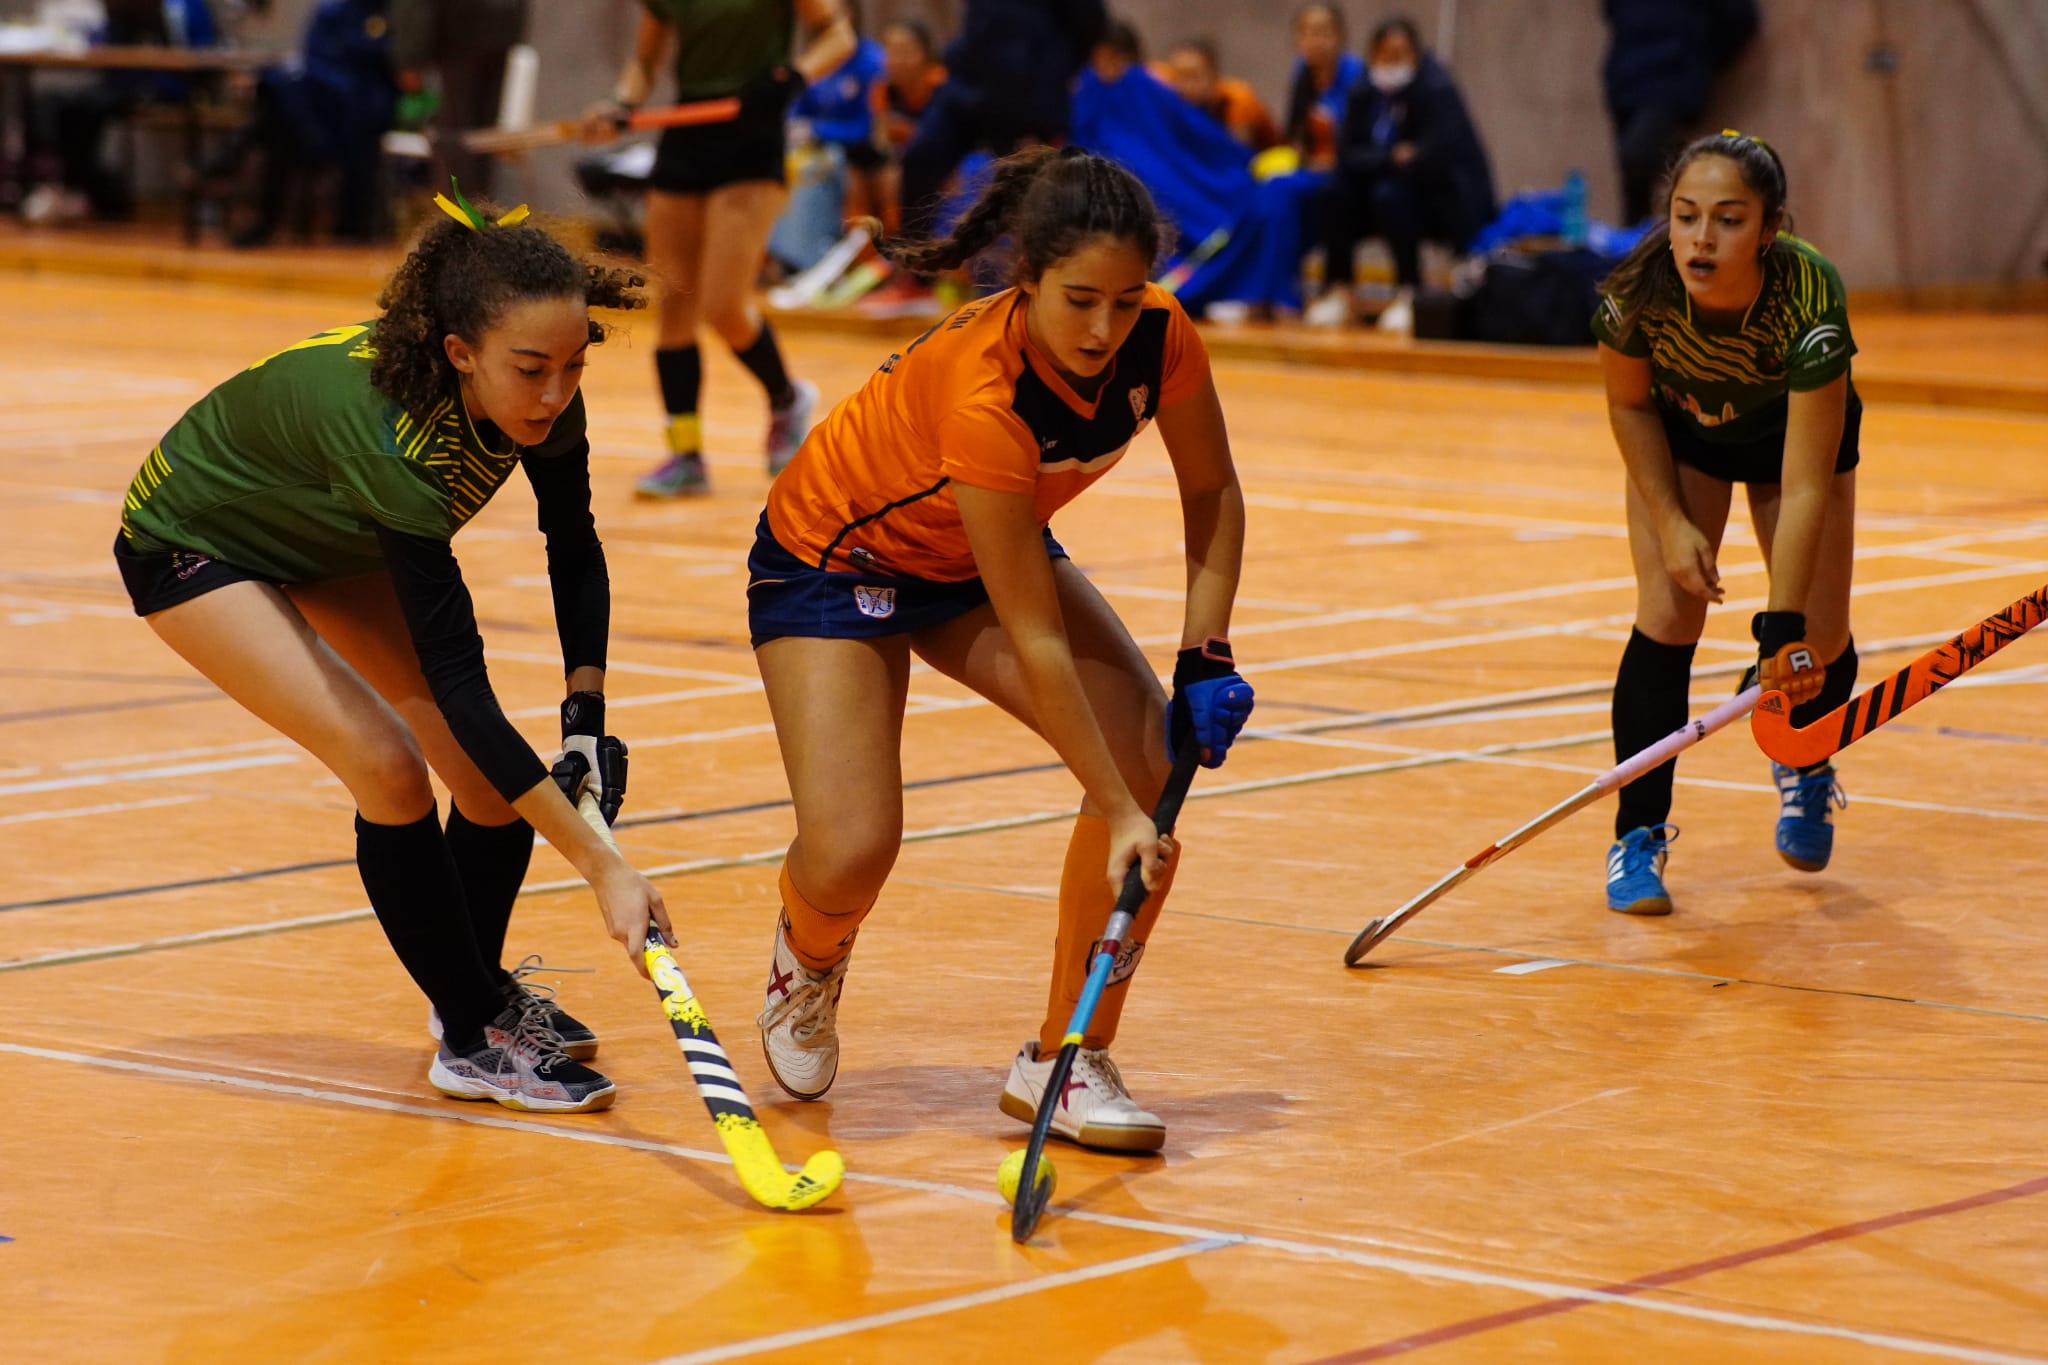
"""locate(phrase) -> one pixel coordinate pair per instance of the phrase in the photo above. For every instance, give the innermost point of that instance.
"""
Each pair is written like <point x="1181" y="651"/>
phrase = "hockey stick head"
<point x="817" y="1180"/>
<point x="1368" y="939"/>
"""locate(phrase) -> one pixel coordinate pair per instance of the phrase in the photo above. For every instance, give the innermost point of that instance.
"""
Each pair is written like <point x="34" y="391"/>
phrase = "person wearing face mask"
<point x="289" y="537"/>
<point x="1726" y="348"/>
<point x="914" y="523"/>
<point x="1410" y="168"/>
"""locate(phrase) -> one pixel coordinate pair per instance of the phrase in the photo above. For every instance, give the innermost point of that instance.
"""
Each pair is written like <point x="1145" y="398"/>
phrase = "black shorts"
<point x="862" y="156"/>
<point x="158" y="579"/>
<point x="1759" y="461"/>
<point x="710" y="156"/>
<point x="786" y="596"/>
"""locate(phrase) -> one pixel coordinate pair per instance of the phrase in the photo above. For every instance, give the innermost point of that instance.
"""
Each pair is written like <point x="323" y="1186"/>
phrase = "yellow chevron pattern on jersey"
<point x="147" y="480"/>
<point x="447" y="444"/>
<point x="1732" y="381"/>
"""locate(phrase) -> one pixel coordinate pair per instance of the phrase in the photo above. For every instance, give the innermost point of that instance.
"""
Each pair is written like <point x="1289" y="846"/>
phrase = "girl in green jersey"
<point x="1725" y="345"/>
<point x="289" y="538"/>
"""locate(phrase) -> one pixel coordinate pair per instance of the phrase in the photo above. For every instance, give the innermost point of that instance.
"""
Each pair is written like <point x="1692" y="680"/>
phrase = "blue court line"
<point x="1957" y="732"/>
<point x="750" y="808"/>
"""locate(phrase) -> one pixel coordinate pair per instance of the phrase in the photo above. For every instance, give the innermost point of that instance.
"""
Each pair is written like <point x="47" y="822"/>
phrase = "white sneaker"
<point x="788" y="426"/>
<point x="1333" y="309"/>
<point x="800" y="1021"/>
<point x="1399" y="316"/>
<point x="521" y="1065"/>
<point x="1096" y="1111"/>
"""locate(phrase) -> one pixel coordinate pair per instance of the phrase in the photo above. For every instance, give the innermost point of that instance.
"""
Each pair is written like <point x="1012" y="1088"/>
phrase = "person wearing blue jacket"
<point x="1007" y="75"/>
<point x="839" y="109"/>
<point x="1410" y="165"/>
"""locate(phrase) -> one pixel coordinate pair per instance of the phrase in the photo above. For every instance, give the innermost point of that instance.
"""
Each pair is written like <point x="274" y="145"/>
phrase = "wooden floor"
<point x="1800" y="1120"/>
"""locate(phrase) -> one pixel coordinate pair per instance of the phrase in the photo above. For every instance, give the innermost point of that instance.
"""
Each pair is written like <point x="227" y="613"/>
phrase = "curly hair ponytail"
<point x="1047" y="202"/>
<point x="458" y="279"/>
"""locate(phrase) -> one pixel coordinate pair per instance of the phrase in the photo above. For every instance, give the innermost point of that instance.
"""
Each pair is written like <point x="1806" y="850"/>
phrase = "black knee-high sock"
<point x="1649" y="703"/>
<point x="417" y="895"/>
<point x="764" y="358"/>
<point x="1836" y="689"/>
<point x="491" y="861"/>
<point x="681" y="372"/>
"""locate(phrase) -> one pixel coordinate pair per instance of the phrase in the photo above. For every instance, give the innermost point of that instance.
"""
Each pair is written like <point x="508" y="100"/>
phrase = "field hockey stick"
<point x="1615" y="778"/>
<point x="1031" y="1196"/>
<point x="1204" y="252"/>
<point x="761" y="1172"/>
<point x="558" y="131"/>
<point x="1853" y="719"/>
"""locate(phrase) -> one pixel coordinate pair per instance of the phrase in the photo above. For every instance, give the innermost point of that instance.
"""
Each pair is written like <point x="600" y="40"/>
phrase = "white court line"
<point x="1190" y="1234"/>
<point x="521" y="656"/>
<point x="77" y="812"/>
<point x="846" y="1327"/>
<point x="1540" y="964"/>
<point x="53" y="784"/>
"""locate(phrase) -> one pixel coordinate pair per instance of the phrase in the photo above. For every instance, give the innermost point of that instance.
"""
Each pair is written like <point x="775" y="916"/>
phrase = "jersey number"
<point x="333" y="336"/>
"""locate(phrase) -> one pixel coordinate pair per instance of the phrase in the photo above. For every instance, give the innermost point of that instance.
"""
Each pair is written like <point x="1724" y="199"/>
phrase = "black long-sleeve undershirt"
<point x="441" y="616"/>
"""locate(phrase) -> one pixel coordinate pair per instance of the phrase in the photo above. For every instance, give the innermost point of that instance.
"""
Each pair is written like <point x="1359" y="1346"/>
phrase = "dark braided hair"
<point x="1048" y="202"/>
<point x="1647" y="280"/>
<point x="460" y="280"/>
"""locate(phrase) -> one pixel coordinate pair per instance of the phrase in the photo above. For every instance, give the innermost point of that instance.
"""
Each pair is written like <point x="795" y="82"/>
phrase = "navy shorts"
<point x="159" y="579"/>
<point x="786" y="596"/>
<point x="1758" y="461"/>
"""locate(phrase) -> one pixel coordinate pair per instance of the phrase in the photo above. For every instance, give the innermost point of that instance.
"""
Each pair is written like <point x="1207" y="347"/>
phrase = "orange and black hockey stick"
<point x="496" y="140"/>
<point x="1771" y="722"/>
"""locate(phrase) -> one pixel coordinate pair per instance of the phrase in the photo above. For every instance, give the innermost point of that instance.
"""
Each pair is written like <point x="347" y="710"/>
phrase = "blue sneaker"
<point x="1635" y="871"/>
<point x="1806" y="804"/>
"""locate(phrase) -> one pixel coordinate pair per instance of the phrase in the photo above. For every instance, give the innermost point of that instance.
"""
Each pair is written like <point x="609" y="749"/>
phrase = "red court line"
<point x="1551" y="1307"/>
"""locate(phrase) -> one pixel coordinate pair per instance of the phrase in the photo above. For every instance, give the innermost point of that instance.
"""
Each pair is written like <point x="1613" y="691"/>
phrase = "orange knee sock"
<point x="821" y="939"/>
<point x="1085" y="903"/>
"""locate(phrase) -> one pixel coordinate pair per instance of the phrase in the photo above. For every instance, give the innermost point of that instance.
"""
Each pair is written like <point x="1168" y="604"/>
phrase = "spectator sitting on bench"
<point x="1410" y="168"/>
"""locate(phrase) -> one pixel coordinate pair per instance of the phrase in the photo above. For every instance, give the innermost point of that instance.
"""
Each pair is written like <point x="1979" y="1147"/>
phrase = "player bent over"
<point x="914" y="521"/>
<point x="289" y="538"/>
<point x="1725" y="343"/>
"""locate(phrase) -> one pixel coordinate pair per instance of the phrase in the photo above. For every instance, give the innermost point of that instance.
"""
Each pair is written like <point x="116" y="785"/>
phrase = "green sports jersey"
<point x="1731" y="382"/>
<point x="721" y="45"/>
<point x="285" y="469"/>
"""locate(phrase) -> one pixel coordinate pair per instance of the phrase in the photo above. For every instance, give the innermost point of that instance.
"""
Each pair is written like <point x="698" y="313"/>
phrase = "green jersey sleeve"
<point x="1820" y="345"/>
<point x="1607" y="328"/>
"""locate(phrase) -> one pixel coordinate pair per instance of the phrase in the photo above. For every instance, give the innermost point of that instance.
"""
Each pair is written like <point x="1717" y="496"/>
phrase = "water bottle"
<point x="1574" y="208"/>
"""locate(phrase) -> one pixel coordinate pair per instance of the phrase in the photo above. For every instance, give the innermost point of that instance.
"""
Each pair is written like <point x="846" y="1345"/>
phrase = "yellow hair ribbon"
<point x="465" y="213"/>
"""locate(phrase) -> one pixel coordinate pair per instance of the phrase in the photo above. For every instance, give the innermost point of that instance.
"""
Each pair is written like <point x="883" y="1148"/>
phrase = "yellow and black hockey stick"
<point x="761" y="1171"/>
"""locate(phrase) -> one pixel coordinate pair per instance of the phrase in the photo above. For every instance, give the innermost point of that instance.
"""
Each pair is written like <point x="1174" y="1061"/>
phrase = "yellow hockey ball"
<point x="1012" y="1170"/>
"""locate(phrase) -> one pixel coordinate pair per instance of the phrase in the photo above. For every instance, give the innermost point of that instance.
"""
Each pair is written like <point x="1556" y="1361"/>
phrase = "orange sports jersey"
<point x="973" y="401"/>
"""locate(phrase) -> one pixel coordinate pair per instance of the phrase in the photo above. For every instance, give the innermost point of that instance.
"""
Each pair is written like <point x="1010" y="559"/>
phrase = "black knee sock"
<point x="491" y="862"/>
<point x="764" y="358"/>
<point x="1649" y="703"/>
<point x="681" y="372"/>
<point x="417" y="895"/>
<point x="1837" y="688"/>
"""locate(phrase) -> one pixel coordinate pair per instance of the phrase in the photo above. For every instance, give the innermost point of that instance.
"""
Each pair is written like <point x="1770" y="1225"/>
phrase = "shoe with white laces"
<point x="1096" y="1110"/>
<point x="800" y="1021"/>
<point x="521" y="1065"/>
<point x="1635" y="871"/>
<point x="1806" y="805"/>
<point x="577" y="1039"/>
<point x="787" y="426"/>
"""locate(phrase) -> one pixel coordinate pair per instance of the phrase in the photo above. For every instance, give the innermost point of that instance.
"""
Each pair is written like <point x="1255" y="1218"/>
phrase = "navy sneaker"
<point x="1635" y="871"/>
<point x="1806" y="805"/>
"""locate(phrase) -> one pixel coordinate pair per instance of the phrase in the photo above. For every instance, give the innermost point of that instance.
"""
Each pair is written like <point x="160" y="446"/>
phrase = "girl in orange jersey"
<point x="914" y="521"/>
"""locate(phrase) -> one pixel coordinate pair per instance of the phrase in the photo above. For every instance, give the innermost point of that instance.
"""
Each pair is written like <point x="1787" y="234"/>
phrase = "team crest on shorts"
<point x="1139" y="397"/>
<point x="1126" y="960"/>
<point x="879" y="603"/>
